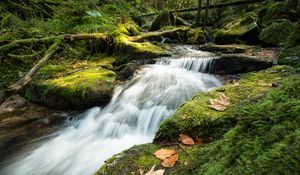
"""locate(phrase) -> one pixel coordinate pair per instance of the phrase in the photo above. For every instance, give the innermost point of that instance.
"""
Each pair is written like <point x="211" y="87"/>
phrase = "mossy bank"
<point x="257" y="134"/>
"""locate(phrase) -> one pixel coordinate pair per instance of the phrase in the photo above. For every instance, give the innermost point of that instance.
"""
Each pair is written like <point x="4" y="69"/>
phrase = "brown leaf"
<point x="220" y="103"/>
<point x="170" y="161"/>
<point x="164" y="153"/>
<point x="185" y="139"/>
<point x="157" y="172"/>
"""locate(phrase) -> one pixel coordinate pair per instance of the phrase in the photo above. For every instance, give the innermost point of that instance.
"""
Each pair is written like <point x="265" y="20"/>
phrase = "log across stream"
<point x="132" y="117"/>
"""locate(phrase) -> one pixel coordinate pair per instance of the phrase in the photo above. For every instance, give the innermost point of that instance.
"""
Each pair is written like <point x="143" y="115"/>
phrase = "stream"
<point x="132" y="117"/>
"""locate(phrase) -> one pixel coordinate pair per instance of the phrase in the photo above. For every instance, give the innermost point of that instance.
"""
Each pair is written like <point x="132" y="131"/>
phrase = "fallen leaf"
<point x="220" y="103"/>
<point x="157" y="172"/>
<point x="170" y="161"/>
<point x="185" y="139"/>
<point x="164" y="153"/>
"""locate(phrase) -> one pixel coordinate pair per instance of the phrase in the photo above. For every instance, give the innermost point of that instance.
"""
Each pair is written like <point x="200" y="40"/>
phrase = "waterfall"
<point x="132" y="117"/>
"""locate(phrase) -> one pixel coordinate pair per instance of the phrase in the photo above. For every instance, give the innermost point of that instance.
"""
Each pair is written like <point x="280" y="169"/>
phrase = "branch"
<point x="28" y="77"/>
<point x="147" y="35"/>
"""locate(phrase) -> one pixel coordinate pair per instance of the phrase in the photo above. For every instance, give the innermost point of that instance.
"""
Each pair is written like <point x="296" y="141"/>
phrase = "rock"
<point x="290" y="56"/>
<point x="237" y="63"/>
<point x="196" y="36"/>
<point x="87" y="86"/>
<point x="241" y="30"/>
<point x="165" y="18"/>
<point x="12" y="103"/>
<point x="276" y="33"/>
<point x="226" y="49"/>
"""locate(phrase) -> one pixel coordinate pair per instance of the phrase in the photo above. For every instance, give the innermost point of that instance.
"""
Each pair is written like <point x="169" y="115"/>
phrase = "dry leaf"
<point x="220" y="103"/>
<point x="164" y="153"/>
<point x="170" y="161"/>
<point x="157" y="172"/>
<point x="185" y="139"/>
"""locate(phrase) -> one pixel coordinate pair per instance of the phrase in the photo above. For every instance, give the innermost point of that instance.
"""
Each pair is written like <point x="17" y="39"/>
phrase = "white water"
<point x="132" y="117"/>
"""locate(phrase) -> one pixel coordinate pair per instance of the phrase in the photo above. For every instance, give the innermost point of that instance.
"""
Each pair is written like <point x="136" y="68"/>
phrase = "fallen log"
<point x="148" y="35"/>
<point x="219" y="5"/>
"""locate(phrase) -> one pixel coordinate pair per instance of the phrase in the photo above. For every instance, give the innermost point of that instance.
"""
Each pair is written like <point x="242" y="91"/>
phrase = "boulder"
<point x="239" y="31"/>
<point x="79" y="87"/>
<point x="276" y="33"/>
<point x="196" y="36"/>
<point x="166" y="18"/>
<point x="238" y="63"/>
<point x="226" y="49"/>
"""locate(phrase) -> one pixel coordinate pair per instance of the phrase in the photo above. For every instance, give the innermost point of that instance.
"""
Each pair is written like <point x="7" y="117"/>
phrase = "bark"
<point x="199" y="12"/>
<point x="147" y="35"/>
<point x="19" y="85"/>
<point x="206" y="13"/>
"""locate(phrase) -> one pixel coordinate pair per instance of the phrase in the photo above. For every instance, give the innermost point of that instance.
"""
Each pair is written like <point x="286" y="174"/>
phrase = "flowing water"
<point x="132" y="117"/>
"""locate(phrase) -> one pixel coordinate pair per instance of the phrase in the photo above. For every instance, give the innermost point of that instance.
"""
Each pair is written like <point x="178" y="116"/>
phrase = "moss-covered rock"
<point x="196" y="36"/>
<point x="261" y="124"/>
<point x="244" y="29"/>
<point x="127" y="50"/>
<point x="75" y="86"/>
<point x="197" y="119"/>
<point x="290" y="56"/>
<point x="165" y="18"/>
<point x="276" y="33"/>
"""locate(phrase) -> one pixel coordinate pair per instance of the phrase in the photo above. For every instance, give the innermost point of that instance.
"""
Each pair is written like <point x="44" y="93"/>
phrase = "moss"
<point x="197" y="119"/>
<point x="265" y="141"/>
<point x="243" y="29"/>
<point x="131" y="161"/>
<point x="290" y="56"/>
<point x="165" y="18"/>
<point x="276" y="33"/>
<point x="277" y="10"/>
<point x="133" y="50"/>
<point x="196" y="36"/>
<point x="77" y="86"/>
<point x="258" y="134"/>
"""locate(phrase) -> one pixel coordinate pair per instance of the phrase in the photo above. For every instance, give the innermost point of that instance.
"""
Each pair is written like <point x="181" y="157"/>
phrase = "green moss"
<point x="265" y="141"/>
<point x="196" y="36"/>
<point x="258" y="134"/>
<point x="131" y="161"/>
<point x="290" y="56"/>
<point x="197" y="119"/>
<point x="133" y="50"/>
<point x="243" y="29"/>
<point x="276" y="33"/>
<point x="80" y="85"/>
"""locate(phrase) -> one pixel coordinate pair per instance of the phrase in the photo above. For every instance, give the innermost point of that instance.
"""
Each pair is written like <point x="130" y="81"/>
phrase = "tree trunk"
<point x="199" y="12"/>
<point x="206" y="14"/>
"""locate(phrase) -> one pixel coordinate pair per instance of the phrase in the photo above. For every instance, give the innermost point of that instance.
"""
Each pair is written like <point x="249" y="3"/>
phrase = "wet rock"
<point x="226" y="49"/>
<point x="238" y="63"/>
<point x="21" y="121"/>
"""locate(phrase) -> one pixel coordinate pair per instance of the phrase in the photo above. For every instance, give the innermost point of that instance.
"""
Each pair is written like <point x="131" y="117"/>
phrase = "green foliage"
<point x="265" y="141"/>
<point x="196" y="119"/>
<point x="276" y="33"/>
